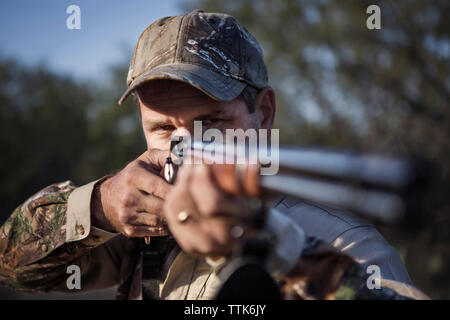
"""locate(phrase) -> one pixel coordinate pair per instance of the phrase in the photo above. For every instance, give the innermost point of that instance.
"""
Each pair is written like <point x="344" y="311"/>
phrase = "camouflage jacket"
<point x="40" y="240"/>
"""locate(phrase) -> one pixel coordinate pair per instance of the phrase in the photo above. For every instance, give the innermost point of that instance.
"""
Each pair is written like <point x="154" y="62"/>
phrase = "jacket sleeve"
<point x="310" y="268"/>
<point x="51" y="231"/>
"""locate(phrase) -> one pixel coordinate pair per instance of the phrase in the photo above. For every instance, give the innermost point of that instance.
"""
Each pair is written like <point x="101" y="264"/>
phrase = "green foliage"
<point x="53" y="128"/>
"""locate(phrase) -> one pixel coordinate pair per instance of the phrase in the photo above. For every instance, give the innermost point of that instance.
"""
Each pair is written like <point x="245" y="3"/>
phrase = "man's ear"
<point x="265" y="108"/>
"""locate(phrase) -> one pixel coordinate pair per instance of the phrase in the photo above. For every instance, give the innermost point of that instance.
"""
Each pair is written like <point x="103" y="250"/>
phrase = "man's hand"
<point x="208" y="212"/>
<point x="131" y="201"/>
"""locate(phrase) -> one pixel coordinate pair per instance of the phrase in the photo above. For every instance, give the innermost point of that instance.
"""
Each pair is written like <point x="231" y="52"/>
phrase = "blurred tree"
<point x="53" y="129"/>
<point x="340" y="84"/>
<point x="43" y="129"/>
<point x="115" y="132"/>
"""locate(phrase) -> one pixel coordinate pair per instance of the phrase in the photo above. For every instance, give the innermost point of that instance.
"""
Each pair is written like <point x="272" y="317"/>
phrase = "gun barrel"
<point x="371" y="170"/>
<point x="370" y="185"/>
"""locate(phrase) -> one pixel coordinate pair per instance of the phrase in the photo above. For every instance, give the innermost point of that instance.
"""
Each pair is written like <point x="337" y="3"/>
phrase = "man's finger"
<point x="155" y="157"/>
<point x="151" y="183"/>
<point x="208" y="197"/>
<point x="143" y="231"/>
<point x="147" y="219"/>
<point x="150" y="204"/>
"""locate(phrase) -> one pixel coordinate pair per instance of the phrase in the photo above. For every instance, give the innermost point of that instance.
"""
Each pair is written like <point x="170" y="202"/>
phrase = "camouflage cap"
<point x="210" y="51"/>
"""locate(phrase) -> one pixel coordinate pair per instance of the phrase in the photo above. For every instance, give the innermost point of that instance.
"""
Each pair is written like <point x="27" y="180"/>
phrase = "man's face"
<point x="171" y="107"/>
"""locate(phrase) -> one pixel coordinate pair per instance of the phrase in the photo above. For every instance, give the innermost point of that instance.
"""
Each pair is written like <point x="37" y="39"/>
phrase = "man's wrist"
<point x="98" y="217"/>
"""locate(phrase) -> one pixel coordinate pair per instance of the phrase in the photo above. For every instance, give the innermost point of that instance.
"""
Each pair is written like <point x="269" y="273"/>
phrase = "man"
<point x="193" y="67"/>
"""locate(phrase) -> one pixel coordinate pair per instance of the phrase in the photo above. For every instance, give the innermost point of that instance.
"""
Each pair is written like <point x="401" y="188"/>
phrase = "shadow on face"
<point x="170" y="107"/>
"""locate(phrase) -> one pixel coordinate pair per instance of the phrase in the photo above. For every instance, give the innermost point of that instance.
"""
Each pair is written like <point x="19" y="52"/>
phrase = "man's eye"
<point x="167" y="127"/>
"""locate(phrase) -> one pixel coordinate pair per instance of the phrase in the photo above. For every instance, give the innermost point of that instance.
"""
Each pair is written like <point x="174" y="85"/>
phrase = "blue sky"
<point x="36" y="32"/>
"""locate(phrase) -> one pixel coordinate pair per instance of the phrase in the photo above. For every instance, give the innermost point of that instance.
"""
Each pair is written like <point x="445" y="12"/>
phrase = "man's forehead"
<point x="163" y="90"/>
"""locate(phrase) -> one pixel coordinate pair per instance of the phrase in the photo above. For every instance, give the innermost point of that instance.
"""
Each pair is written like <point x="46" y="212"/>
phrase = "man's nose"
<point x="182" y="131"/>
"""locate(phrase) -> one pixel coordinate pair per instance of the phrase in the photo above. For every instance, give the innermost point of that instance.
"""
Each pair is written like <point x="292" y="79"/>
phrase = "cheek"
<point x="156" y="142"/>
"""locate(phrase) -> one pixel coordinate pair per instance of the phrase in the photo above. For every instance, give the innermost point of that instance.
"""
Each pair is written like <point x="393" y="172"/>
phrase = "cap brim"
<point x="215" y="85"/>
